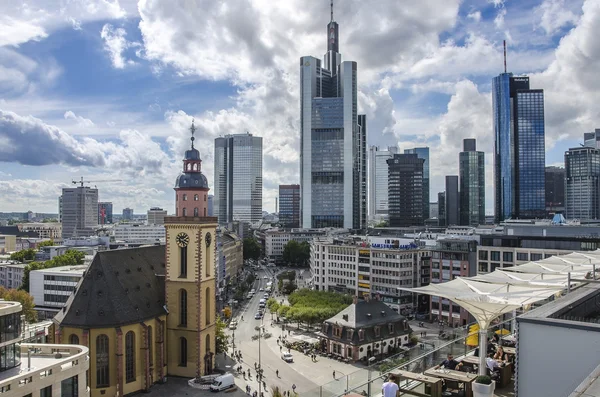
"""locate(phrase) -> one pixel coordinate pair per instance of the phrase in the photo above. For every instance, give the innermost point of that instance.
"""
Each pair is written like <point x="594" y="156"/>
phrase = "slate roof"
<point x="122" y="286"/>
<point x="14" y="231"/>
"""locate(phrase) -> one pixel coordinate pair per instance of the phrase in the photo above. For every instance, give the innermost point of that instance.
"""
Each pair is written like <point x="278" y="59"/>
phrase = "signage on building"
<point x="410" y="246"/>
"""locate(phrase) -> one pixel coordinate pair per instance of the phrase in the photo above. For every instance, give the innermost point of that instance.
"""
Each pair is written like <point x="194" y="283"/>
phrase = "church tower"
<point x="190" y="273"/>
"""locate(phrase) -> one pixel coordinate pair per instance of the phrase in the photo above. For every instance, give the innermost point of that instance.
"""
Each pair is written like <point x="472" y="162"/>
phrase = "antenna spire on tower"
<point x="331" y="10"/>
<point x="504" y="56"/>
<point x="193" y="130"/>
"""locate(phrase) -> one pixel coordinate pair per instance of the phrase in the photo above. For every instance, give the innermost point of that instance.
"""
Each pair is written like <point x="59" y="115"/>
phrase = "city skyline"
<point x="124" y="107"/>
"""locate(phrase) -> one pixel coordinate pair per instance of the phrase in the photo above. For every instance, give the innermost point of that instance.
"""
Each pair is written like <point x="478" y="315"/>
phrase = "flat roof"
<point x="8" y="307"/>
<point x="79" y="269"/>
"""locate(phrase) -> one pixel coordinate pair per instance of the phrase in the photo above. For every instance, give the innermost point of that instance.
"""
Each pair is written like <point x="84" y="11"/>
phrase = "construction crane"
<point x="106" y="180"/>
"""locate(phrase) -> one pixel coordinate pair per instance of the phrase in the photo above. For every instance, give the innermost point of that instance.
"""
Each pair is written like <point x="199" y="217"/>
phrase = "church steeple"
<point x="189" y="201"/>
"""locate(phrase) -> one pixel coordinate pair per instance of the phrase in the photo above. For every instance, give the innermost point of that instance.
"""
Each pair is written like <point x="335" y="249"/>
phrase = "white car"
<point x="233" y="325"/>
<point x="287" y="357"/>
<point x="258" y="316"/>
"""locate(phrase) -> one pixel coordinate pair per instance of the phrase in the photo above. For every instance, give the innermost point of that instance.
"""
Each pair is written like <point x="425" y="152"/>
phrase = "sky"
<point x="107" y="89"/>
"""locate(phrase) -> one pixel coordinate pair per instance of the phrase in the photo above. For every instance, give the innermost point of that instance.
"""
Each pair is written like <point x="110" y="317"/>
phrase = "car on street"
<point x="233" y="325"/>
<point x="261" y="289"/>
<point x="265" y="296"/>
<point x="287" y="357"/>
<point x="258" y="316"/>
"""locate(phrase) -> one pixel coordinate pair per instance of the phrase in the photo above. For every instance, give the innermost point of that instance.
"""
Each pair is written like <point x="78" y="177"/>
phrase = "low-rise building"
<point x="230" y="258"/>
<point x="48" y="230"/>
<point x="276" y="239"/>
<point x="139" y="233"/>
<point x="51" y="288"/>
<point x="365" y="329"/>
<point x="8" y="243"/>
<point x="11" y="274"/>
<point x="156" y="216"/>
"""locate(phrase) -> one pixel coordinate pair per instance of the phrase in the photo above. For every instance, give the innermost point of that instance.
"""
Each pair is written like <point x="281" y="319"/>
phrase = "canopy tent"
<point x="486" y="301"/>
<point x="540" y="268"/>
<point x="515" y="278"/>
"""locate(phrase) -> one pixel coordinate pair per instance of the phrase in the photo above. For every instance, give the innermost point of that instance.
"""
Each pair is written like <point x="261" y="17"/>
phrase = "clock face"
<point x="182" y="240"/>
<point x="208" y="239"/>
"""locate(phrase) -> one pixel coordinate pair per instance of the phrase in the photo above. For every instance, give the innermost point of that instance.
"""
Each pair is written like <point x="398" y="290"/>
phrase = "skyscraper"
<point x="442" y="208"/>
<point x="582" y="171"/>
<point x="452" y="200"/>
<point x="378" y="181"/>
<point x="555" y="190"/>
<point x="289" y="206"/>
<point x="210" y="205"/>
<point x="238" y="178"/>
<point x="423" y="153"/>
<point x="79" y="211"/>
<point x="332" y="141"/>
<point x="519" y="152"/>
<point x="592" y="139"/>
<point x="127" y="214"/>
<point x="105" y="213"/>
<point x="472" y="184"/>
<point x="405" y="190"/>
<point x="156" y="216"/>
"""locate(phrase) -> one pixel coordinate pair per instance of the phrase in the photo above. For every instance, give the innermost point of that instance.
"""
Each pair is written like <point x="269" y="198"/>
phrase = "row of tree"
<point x="296" y="253"/>
<point x="310" y="307"/>
<point x="69" y="258"/>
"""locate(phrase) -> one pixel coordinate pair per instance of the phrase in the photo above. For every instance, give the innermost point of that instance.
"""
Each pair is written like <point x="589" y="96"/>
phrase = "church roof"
<point x="366" y="314"/>
<point x="120" y="287"/>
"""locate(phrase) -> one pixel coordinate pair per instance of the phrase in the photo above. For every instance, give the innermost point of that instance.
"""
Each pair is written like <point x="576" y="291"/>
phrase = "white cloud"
<point x="76" y="24"/>
<point x="499" y="20"/>
<point x="555" y="15"/>
<point x="15" y="32"/>
<point x="81" y="121"/>
<point x="116" y="44"/>
<point x="475" y="16"/>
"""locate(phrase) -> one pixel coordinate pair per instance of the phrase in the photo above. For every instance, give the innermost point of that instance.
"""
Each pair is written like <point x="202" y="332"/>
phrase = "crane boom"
<point x="81" y="182"/>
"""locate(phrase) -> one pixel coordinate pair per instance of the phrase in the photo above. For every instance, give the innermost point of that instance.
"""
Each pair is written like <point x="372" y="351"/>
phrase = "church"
<point x="148" y="313"/>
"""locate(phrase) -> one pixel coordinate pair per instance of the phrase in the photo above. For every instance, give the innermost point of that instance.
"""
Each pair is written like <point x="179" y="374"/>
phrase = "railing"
<point x="424" y="355"/>
<point x="70" y="359"/>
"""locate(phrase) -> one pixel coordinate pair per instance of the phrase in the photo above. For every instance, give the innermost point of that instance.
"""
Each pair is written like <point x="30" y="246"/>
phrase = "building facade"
<point x="79" y="211"/>
<point x="472" y="184"/>
<point x="127" y="214"/>
<point x="332" y="141"/>
<point x="582" y="180"/>
<point x="50" y="230"/>
<point x="7" y="243"/>
<point x="555" y="190"/>
<point x="238" y="178"/>
<point x="105" y="213"/>
<point x="211" y="210"/>
<point x="276" y="240"/>
<point x="230" y="260"/>
<point x="11" y="274"/>
<point x="51" y="288"/>
<point x="139" y="233"/>
<point x="405" y="190"/>
<point x="452" y="201"/>
<point x="519" y="148"/>
<point x="378" y="181"/>
<point x="442" y="209"/>
<point x="289" y="206"/>
<point x="423" y="153"/>
<point x="156" y="216"/>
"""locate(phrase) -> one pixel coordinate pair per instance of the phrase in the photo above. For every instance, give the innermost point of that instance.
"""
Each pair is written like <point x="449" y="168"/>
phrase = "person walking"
<point x="333" y="374"/>
<point x="277" y="373"/>
<point x="390" y="388"/>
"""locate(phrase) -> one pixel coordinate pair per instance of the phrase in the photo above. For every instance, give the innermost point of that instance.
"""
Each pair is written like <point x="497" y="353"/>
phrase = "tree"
<point x="227" y="312"/>
<point x="47" y="243"/>
<point x="69" y="258"/>
<point x="24" y="299"/>
<point x="221" y="339"/>
<point x="251" y="248"/>
<point x="296" y="253"/>
<point x="382" y="224"/>
<point x="23" y="255"/>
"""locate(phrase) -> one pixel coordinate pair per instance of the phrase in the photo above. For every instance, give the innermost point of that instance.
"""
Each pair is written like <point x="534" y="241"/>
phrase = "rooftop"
<point x="79" y="269"/>
<point x="364" y="314"/>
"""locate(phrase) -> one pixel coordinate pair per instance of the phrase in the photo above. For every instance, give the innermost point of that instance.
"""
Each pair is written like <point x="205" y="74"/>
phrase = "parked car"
<point x="258" y="316"/>
<point x="233" y="325"/>
<point x="287" y="357"/>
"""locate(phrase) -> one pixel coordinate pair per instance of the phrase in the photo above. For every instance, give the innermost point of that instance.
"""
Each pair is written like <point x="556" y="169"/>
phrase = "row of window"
<point x="185" y="198"/>
<point x="183" y="309"/>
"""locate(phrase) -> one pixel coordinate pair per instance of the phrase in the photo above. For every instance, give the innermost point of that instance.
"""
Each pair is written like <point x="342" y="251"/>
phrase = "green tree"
<point x="48" y="243"/>
<point x="382" y="224"/>
<point x="69" y="258"/>
<point x="23" y="255"/>
<point x="24" y="299"/>
<point x="297" y="253"/>
<point x="221" y="339"/>
<point x="251" y="248"/>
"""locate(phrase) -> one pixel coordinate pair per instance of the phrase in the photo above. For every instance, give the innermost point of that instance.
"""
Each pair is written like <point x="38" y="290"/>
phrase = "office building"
<point x="238" y="178"/>
<point x="433" y="210"/>
<point x="211" y="205"/>
<point x="11" y="274"/>
<point x="136" y="233"/>
<point x="49" y="230"/>
<point x="378" y="182"/>
<point x="519" y="151"/>
<point x="289" y="206"/>
<point x="423" y="153"/>
<point x="79" y="211"/>
<point x="582" y="171"/>
<point x="472" y="184"/>
<point x="332" y="141"/>
<point x="127" y="214"/>
<point x="105" y="213"/>
<point x="592" y="139"/>
<point x="50" y="288"/>
<point x="156" y="216"/>
<point x="276" y="240"/>
<point x="405" y="190"/>
<point x="452" y="198"/>
<point x="442" y="209"/>
<point x="555" y="190"/>
<point x="60" y="199"/>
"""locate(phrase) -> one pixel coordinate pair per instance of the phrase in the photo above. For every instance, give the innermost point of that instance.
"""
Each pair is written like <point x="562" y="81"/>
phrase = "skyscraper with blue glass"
<point x="333" y="173"/>
<point x="519" y="148"/>
<point x="423" y="153"/>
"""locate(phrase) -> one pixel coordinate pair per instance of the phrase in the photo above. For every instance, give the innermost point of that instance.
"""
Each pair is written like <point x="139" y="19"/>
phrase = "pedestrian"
<point x="390" y="388"/>
<point x="244" y="374"/>
<point x="280" y="348"/>
<point x="277" y="373"/>
<point x="333" y="374"/>
<point x="255" y="365"/>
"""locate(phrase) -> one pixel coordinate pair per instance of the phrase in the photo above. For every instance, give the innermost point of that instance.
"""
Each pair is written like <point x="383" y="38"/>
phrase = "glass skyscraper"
<point x="405" y="190"/>
<point x="378" y="181"/>
<point x="333" y="178"/>
<point x="582" y="169"/>
<point x="423" y="153"/>
<point x="289" y="206"/>
<point x="238" y="178"/>
<point x="519" y="148"/>
<point x="472" y="184"/>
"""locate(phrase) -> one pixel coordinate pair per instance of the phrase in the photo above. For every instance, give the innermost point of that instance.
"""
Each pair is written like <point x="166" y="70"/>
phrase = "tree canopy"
<point x="251" y="248"/>
<point x="297" y="253"/>
<point x="69" y="258"/>
<point x="308" y="306"/>
<point x="47" y="243"/>
<point x="221" y="339"/>
<point x="24" y="299"/>
<point x="23" y="255"/>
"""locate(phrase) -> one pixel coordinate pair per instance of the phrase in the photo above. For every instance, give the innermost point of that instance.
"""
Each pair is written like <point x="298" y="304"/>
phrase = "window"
<point x="150" y="347"/>
<point x="183" y="262"/>
<point x="483" y="255"/>
<point x="184" y="197"/>
<point x="182" y="352"/>
<point x="207" y="308"/>
<point x="205" y="197"/>
<point x="102" y="369"/>
<point x="495" y="255"/>
<point x="73" y="339"/>
<point x="337" y="332"/>
<point x="184" y="212"/>
<point x="536" y="257"/>
<point x="522" y="256"/>
<point x="182" y="308"/>
<point x="377" y="331"/>
<point x="195" y="197"/>
<point x="196" y="211"/>
<point x="507" y="256"/>
<point x="205" y="212"/>
<point x="349" y="334"/>
<point x="483" y="267"/>
<point x="69" y="387"/>
<point x="391" y="328"/>
<point x="46" y="391"/>
<point x="130" y="357"/>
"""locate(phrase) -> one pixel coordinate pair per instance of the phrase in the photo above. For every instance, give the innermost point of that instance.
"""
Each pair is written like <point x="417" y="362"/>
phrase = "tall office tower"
<point x="105" y="213"/>
<point x="332" y="141"/>
<point x="423" y="153"/>
<point x="238" y="178"/>
<point x="442" y="208"/>
<point x="79" y="211"/>
<point x="289" y="206"/>
<point x="127" y="214"/>
<point x="378" y="181"/>
<point x="210" y="205"/>
<point x="156" y="216"/>
<point x="405" y="190"/>
<point x="555" y="190"/>
<point x="60" y="208"/>
<point x="472" y="184"/>
<point x="519" y="152"/>
<point x="582" y="170"/>
<point x="592" y="139"/>
<point x="452" y="200"/>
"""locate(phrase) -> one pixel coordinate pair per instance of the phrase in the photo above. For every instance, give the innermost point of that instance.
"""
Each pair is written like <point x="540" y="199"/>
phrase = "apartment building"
<point x="48" y="230"/>
<point x="7" y="243"/>
<point x="11" y="274"/>
<point x="50" y="288"/>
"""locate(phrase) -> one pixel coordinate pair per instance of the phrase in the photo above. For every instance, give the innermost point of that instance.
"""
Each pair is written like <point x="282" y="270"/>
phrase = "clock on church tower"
<point x="190" y="286"/>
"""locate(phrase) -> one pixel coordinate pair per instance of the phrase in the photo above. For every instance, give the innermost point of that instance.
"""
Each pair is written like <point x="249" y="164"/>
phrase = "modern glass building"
<point x="452" y="201"/>
<point x="405" y="190"/>
<point x="238" y="178"/>
<point x="472" y="184"/>
<point x="519" y="151"/>
<point x="105" y="213"/>
<point x="289" y="206"/>
<point x="423" y="153"/>
<point x="79" y="207"/>
<point x="333" y="178"/>
<point x="378" y="181"/>
<point x="582" y="171"/>
<point x="555" y="190"/>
